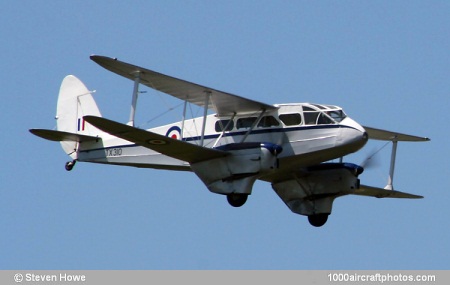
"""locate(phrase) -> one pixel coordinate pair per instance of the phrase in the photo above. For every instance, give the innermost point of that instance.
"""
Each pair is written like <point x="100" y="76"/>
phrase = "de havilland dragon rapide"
<point x="292" y="146"/>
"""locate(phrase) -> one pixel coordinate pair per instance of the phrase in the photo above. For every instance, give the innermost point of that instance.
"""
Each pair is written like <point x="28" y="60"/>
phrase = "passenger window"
<point x="228" y="125"/>
<point x="267" y="122"/>
<point x="291" y="119"/>
<point x="245" y="123"/>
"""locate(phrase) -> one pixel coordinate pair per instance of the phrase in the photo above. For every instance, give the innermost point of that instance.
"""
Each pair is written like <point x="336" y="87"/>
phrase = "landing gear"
<point x="318" y="220"/>
<point x="70" y="164"/>
<point x="237" y="200"/>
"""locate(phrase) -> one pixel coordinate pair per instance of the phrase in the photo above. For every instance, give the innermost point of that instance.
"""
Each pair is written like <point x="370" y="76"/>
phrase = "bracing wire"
<point x="161" y="114"/>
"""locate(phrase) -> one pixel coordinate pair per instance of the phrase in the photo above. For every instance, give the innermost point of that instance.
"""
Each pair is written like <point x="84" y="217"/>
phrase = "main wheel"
<point x="318" y="220"/>
<point x="70" y="164"/>
<point x="237" y="200"/>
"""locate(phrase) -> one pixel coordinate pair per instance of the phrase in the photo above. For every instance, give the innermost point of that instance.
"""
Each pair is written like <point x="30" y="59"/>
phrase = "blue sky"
<point x="387" y="63"/>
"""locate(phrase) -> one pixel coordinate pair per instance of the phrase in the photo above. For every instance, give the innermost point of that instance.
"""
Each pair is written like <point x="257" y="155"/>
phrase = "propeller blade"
<point x="371" y="160"/>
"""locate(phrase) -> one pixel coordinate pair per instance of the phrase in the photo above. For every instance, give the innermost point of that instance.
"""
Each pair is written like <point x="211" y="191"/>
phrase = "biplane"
<point x="297" y="147"/>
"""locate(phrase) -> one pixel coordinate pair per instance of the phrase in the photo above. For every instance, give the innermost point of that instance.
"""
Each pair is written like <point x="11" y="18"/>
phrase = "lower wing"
<point x="365" y="190"/>
<point x="171" y="147"/>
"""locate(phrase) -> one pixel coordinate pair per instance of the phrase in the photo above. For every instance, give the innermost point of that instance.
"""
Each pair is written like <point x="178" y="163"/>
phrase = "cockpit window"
<point x="310" y="115"/>
<point x="324" y="120"/>
<point x="267" y="122"/>
<point x="337" y="115"/>
<point x="322" y="117"/>
<point x="319" y="106"/>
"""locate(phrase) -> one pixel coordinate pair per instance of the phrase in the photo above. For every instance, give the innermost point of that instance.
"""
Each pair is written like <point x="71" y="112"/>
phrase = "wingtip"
<point x="93" y="120"/>
<point x="89" y="118"/>
<point x="96" y="57"/>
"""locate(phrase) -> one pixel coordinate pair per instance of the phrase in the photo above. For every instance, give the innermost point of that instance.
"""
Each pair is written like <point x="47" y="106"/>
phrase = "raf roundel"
<point x="174" y="133"/>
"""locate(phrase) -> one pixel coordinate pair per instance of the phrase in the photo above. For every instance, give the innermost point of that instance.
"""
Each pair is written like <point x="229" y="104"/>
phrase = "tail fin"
<point x="74" y="102"/>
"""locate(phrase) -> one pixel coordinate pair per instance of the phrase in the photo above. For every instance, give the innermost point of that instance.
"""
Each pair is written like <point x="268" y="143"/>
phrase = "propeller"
<point x="371" y="159"/>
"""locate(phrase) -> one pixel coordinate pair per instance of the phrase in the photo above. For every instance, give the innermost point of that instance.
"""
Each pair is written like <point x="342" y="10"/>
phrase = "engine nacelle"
<point x="314" y="192"/>
<point x="237" y="172"/>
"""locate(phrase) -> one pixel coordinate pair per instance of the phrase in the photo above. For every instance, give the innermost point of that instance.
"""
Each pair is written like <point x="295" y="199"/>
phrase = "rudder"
<point x="74" y="102"/>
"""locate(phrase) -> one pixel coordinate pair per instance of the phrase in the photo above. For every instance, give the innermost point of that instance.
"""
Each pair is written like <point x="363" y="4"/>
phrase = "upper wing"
<point x="378" y="134"/>
<point x="171" y="147"/>
<point x="223" y="103"/>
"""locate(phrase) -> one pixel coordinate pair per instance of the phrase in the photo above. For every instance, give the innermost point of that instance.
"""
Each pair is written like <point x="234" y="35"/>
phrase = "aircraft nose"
<point x="365" y="136"/>
<point x="353" y="134"/>
<point x="353" y="124"/>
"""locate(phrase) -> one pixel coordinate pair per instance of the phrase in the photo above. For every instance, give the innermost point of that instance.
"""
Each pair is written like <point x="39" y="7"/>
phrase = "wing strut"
<point x="390" y="186"/>
<point x="137" y="80"/>
<point x="184" y="118"/>
<point x="205" y="113"/>
<point x="253" y="126"/>
<point x="394" y="137"/>
<point x="224" y="129"/>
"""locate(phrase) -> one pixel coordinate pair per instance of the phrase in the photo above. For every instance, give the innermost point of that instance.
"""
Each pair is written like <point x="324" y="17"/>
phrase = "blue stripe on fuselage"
<point x="239" y="133"/>
<point x="266" y="131"/>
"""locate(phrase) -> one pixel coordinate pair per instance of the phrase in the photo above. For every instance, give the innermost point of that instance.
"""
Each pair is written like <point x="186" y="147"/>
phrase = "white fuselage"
<point x="301" y="130"/>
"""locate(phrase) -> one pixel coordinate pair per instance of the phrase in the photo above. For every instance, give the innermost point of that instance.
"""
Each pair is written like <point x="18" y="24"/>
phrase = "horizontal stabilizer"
<point x="378" y="134"/>
<point x="383" y="193"/>
<point x="59" y="136"/>
<point x="171" y="147"/>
